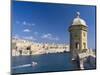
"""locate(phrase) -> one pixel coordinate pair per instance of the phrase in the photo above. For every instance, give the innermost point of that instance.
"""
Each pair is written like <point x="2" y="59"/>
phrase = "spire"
<point x="78" y="14"/>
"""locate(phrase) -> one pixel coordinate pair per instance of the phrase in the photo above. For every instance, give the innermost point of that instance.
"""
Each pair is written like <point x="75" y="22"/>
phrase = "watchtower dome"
<point x="78" y="36"/>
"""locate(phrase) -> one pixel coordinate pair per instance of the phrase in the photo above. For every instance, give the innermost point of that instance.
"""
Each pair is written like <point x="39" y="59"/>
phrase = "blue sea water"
<point x="45" y="63"/>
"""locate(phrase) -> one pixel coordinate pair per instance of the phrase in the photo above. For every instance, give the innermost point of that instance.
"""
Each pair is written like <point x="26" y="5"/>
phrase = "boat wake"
<point x="25" y="65"/>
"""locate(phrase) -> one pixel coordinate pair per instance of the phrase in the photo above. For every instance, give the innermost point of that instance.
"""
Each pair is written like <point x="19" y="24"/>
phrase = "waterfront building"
<point x="25" y="47"/>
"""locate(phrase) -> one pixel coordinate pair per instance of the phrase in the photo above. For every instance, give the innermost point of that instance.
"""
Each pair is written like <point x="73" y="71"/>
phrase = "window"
<point x="77" y="45"/>
<point x="84" y="44"/>
<point x="28" y="48"/>
<point x="84" y="34"/>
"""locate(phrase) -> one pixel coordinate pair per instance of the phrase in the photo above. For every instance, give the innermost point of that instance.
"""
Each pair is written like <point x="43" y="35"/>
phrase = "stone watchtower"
<point x="78" y="36"/>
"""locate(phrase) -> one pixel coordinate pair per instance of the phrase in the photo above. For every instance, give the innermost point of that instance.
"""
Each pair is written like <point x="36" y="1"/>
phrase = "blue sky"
<point x="42" y="22"/>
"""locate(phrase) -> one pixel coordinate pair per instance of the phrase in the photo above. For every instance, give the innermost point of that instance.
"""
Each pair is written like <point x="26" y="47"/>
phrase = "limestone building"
<point x="78" y="36"/>
<point x="25" y="47"/>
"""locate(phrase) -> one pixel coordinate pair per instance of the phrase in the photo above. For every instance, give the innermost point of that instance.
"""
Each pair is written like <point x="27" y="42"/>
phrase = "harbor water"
<point x="45" y="63"/>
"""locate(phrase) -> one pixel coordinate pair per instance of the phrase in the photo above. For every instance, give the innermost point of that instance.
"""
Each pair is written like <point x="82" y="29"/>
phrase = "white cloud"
<point x="16" y="36"/>
<point x="29" y="38"/>
<point x="28" y="24"/>
<point x="24" y="23"/>
<point x="26" y="30"/>
<point x="50" y="37"/>
<point x="24" y="37"/>
<point x="35" y="33"/>
<point x="33" y="24"/>
<point x="47" y="36"/>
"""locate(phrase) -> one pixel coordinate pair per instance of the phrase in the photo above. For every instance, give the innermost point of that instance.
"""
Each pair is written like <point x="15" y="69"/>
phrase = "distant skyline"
<point x="43" y="22"/>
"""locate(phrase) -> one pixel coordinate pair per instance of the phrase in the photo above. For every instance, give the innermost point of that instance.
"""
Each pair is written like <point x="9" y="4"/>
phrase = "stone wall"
<point x="24" y="47"/>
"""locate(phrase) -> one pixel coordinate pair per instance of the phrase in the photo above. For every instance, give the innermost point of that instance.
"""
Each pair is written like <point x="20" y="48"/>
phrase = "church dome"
<point x="78" y="20"/>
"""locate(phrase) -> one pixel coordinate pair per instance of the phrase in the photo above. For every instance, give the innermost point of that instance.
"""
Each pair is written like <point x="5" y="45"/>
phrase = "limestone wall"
<point x="24" y="47"/>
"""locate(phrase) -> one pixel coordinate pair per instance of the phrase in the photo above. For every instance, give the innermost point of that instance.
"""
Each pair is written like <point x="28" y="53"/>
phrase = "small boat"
<point x="34" y="63"/>
<point x="73" y="59"/>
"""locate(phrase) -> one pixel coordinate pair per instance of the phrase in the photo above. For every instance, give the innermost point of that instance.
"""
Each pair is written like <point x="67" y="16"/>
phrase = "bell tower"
<point x="78" y="36"/>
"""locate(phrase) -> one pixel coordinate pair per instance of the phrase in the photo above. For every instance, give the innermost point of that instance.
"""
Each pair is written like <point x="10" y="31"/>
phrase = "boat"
<point x="34" y="63"/>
